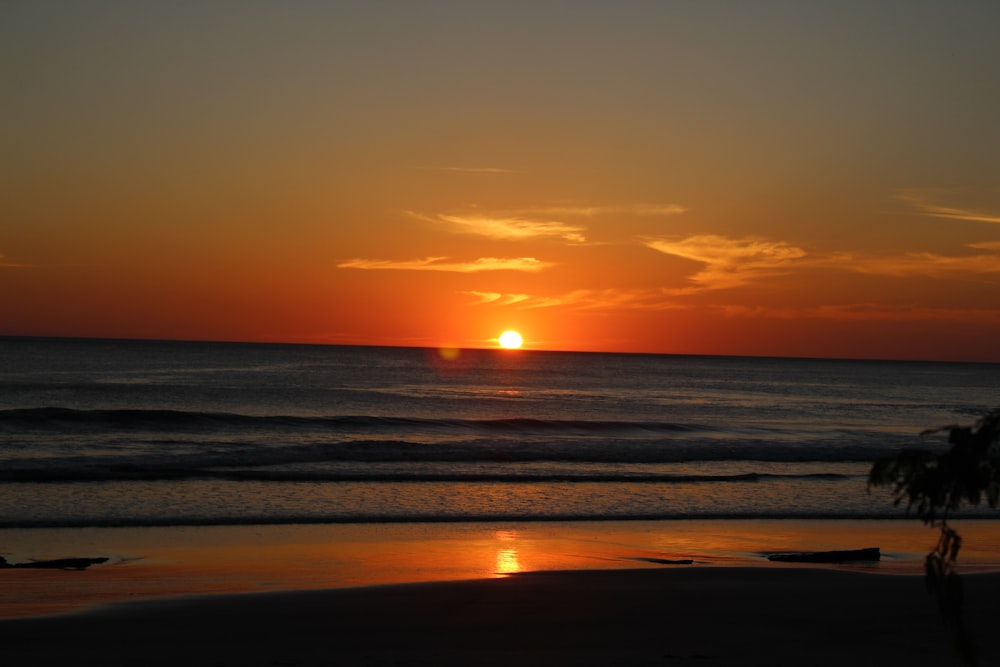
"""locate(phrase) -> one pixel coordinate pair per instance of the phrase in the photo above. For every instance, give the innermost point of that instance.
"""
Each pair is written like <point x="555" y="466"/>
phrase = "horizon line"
<point x="719" y="355"/>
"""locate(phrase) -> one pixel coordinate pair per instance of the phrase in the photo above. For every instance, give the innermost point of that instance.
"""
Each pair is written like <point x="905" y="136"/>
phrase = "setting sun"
<point x="425" y="224"/>
<point x="510" y="340"/>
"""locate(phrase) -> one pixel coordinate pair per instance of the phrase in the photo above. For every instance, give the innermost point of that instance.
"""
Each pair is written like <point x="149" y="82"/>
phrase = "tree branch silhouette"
<point x="936" y="485"/>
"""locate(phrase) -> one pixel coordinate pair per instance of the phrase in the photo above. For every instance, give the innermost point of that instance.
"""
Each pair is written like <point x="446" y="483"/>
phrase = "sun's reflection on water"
<point x="507" y="557"/>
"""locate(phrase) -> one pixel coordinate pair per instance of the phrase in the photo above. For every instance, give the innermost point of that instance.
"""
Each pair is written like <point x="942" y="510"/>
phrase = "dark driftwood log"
<point x="667" y="561"/>
<point x="56" y="564"/>
<point x="845" y="556"/>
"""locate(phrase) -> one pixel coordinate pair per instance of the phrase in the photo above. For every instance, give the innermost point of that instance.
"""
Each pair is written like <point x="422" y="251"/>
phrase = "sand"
<point x="172" y="561"/>
<point x="485" y="594"/>
<point x="706" y="616"/>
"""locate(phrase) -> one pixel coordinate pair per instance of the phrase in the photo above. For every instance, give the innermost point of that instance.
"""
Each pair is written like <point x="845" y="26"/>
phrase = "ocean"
<point x="153" y="433"/>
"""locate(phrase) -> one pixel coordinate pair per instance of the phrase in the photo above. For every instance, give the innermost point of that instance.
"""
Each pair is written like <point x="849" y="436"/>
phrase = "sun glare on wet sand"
<point x="510" y="340"/>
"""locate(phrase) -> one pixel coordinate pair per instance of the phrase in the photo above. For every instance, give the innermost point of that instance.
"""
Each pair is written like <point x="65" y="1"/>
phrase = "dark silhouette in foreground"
<point x="667" y="561"/>
<point x="839" y="556"/>
<point x="54" y="564"/>
<point x="935" y="485"/>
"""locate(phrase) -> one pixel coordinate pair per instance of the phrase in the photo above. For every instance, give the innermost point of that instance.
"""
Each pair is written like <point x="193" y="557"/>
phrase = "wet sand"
<point x="482" y="594"/>
<point x="185" y="561"/>
<point x="711" y="617"/>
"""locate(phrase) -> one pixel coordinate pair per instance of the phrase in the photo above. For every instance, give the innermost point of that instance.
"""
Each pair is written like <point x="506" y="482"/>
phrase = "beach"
<point x="185" y="561"/>
<point x="499" y="333"/>
<point x="559" y="594"/>
<point x="694" y="616"/>
<point x="323" y="505"/>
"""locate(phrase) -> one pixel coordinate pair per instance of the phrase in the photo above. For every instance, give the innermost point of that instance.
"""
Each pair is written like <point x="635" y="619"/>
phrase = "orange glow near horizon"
<point x="599" y="195"/>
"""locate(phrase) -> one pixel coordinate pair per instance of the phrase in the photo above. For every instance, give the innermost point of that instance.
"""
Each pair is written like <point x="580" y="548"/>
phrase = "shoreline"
<point x="165" y="563"/>
<point x="723" y="617"/>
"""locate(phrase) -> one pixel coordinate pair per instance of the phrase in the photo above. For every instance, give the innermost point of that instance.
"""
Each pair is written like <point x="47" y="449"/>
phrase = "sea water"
<point x="150" y="433"/>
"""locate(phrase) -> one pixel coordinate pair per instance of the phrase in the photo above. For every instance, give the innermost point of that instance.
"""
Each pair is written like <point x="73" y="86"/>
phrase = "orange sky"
<point x="772" y="178"/>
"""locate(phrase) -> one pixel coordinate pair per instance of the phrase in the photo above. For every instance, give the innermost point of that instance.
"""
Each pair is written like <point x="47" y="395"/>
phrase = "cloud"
<point x="4" y="264"/>
<point x="864" y="311"/>
<point x="732" y="263"/>
<point x="523" y="301"/>
<point x="496" y="298"/>
<point x="728" y="262"/>
<point x="923" y="263"/>
<point x="508" y="228"/>
<point x="920" y="200"/>
<point x="529" y="264"/>
<point x="637" y="299"/>
<point x="538" y="222"/>
<point x="591" y="211"/>
<point x="477" y="170"/>
<point x="659" y="299"/>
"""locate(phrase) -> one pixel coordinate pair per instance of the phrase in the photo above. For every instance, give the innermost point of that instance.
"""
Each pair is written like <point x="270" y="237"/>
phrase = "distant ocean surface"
<point x="136" y="433"/>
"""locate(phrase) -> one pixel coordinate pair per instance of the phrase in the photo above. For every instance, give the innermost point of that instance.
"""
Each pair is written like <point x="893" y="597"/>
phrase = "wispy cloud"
<point x="477" y="170"/>
<point x="496" y="298"/>
<point x="922" y="201"/>
<point x="659" y="299"/>
<point x="4" y="264"/>
<point x="732" y="263"/>
<point x="864" y="311"/>
<point x="585" y="210"/>
<point x="529" y="264"/>
<point x="506" y="228"/>
<point x="736" y="262"/>
<point x="539" y="222"/>
<point x="728" y="262"/>
<point x="923" y="263"/>
<point x="584" y="299"/>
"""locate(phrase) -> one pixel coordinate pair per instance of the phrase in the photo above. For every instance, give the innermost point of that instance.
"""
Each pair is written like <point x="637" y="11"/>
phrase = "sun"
<point x="510" y="340"/>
